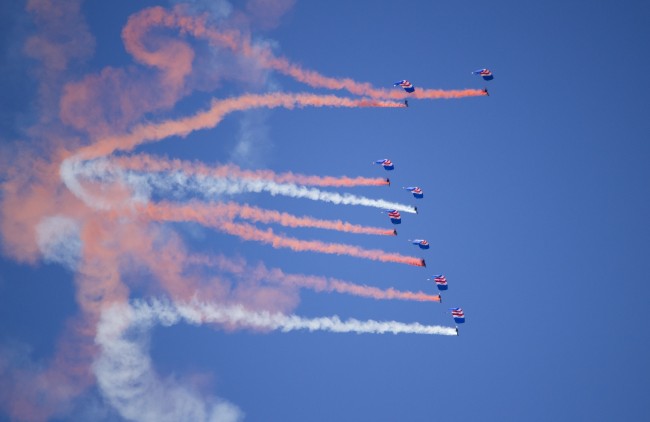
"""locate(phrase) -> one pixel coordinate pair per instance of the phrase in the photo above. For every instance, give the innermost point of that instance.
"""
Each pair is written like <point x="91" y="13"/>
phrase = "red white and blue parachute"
<point x="394" y="216"/>
<point x="441" y="281"/>
<point x="388" y="165"/>
<point x="408" y="87"/>
<point x="458" y="314"/>
<point x="485" y="74"/>
<point x="416" y="191"/>
<point x="423" y="244"/>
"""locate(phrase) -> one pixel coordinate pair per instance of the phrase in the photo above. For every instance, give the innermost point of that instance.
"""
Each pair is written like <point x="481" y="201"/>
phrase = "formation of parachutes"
<point x="439" y="279"/>
<point x="395" y="217"/>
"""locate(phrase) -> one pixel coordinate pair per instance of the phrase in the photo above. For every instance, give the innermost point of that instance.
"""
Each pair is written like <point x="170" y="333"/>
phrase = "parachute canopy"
<point x="408" y="87"/>
<point x="423" y="244"/>
<point x="485" y="74"/>
<point x="441" y="281"/>
<point x="458" y="314"/>
<point x="394" y="216"/>
<point x="416" y="191"/>
<point x="388" y="165"/>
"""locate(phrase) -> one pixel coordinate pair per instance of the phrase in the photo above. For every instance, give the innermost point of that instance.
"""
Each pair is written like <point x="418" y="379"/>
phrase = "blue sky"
<point x="535" y="206"/>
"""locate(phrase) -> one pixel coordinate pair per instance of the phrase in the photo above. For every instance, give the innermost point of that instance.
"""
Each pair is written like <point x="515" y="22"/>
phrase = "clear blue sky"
<point x="536" y="204"/>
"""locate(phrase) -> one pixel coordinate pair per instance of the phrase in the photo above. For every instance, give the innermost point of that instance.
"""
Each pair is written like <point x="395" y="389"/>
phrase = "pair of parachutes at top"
<point x="486" y="74"/>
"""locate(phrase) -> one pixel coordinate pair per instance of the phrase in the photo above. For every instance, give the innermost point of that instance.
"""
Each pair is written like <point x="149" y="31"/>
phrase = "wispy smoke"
<point x="128" y="381"/>
<point x="59" y="240"/>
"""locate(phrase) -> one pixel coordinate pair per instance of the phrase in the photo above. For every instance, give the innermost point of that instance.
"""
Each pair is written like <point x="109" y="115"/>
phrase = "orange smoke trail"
<point x="376" y="293"/>
<point x="317" y="80"/>
<point x="326" y="284"/>
<point x="142" y="22"/>
<point x="248" y="232"/>
<point x="214" y="213"/>
<point x="210" y="118"/>
<point x="143" y="162"/>
<point x="316" y="283"/>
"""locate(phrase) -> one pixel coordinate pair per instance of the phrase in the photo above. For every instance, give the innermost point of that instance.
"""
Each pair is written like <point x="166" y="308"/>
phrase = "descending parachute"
<point x="416" y="191"/>
<point x="458" y="314"/>
<point x="388" y="165"/>
<point x="485" y="74"/>
<point x="408" y="87"/>
<point x="423" y="244"/>
<point x="394" y="216"/>
<point x="441" y="281"/>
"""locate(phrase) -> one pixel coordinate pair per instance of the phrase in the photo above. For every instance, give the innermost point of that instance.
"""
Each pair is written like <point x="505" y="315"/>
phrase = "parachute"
<point x="441" y="281"/>
<point x="408" y="87"/>
<point x="388" y="165"/>
<point x="423" y="244"/>
<point x="416" y="191"/>
<point x="458" y="314"/>
<point x="485" y="74"/>
<point x="395" y="216"/>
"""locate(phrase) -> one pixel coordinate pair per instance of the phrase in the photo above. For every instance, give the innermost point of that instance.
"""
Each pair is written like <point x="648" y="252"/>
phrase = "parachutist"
<point x="395" y="216"/>
<point x="441" y="281"/>
<point x="422" y="243"/>
<point x="386" y="163"/>
<point x="408" y="87"/>
<point x="486" y="74"/>
<point x="416" y="191"/>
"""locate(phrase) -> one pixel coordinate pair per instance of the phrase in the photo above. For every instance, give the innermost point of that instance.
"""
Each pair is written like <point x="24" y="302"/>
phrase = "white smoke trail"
<point x="213" y="187"/>
<point x="126" y="375"/>
<point x="128" y="381"/>
<point x="179" y="184"/>
<point x="196" y="312"/>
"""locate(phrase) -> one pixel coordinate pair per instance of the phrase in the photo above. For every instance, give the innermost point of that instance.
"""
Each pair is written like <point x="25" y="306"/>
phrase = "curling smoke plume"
<point x="238" y="43"/>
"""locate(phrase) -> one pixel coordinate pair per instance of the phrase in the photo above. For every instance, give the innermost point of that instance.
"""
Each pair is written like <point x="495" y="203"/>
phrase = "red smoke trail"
<point x="214" y="213"/>
<point x="248" y="232"/>
<point x="315" y="79"/>
<point x="140" y="23"/>
<point x="376" y="293"/>
<point x="208" y="119"/>
<point x="143" y="162"/>
<point x="316" y="283"/>
<point x="322" y="284"/>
